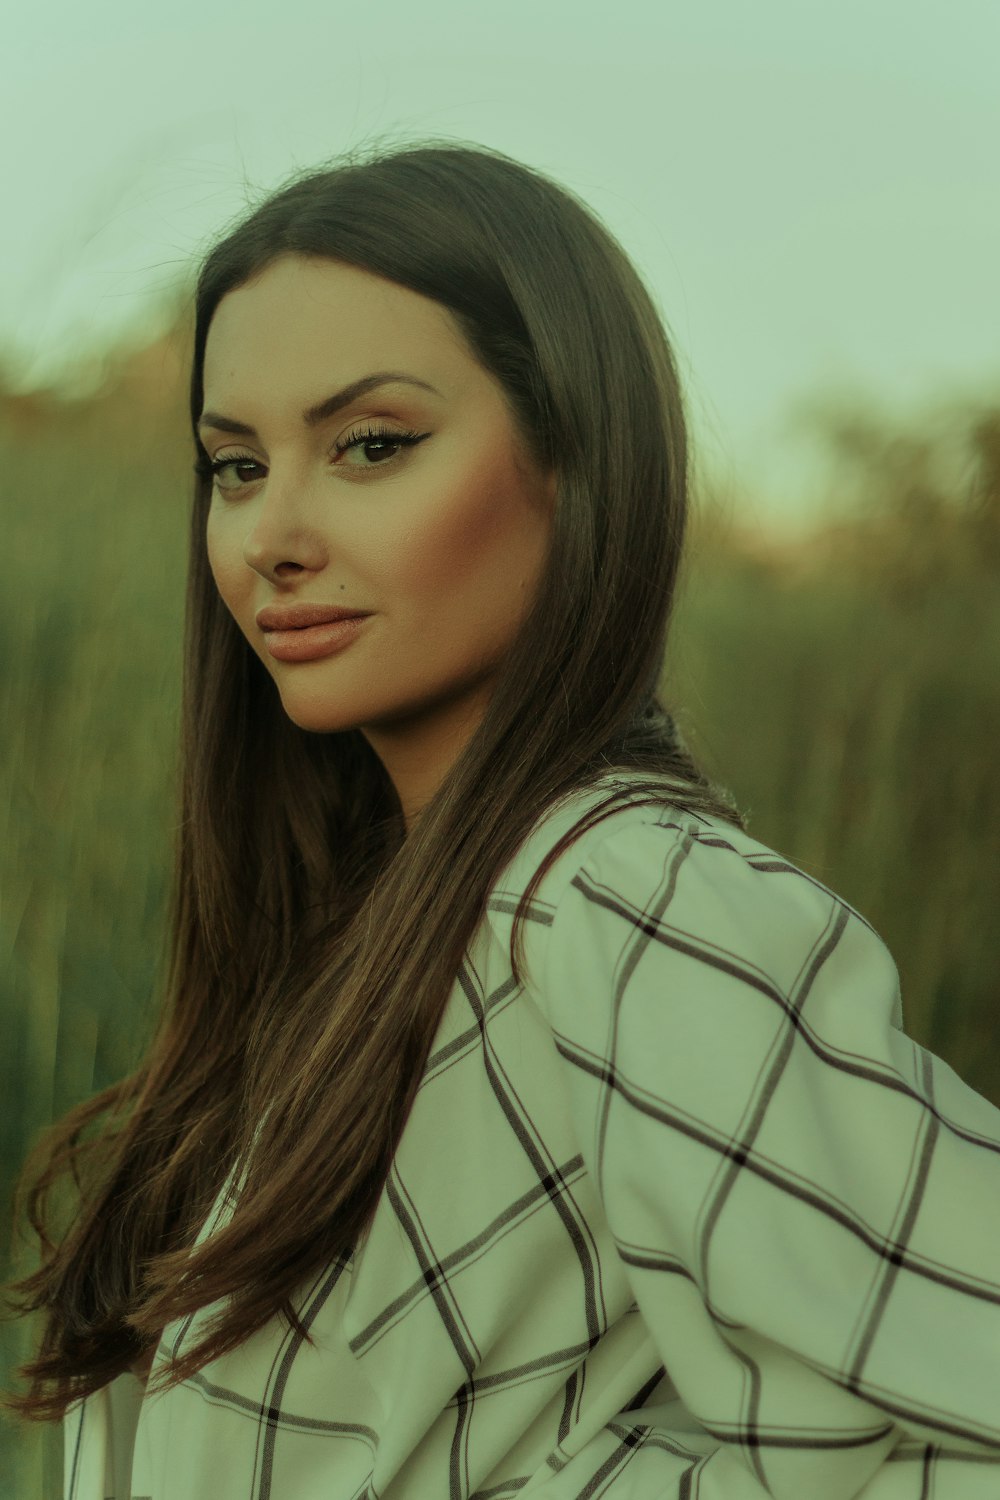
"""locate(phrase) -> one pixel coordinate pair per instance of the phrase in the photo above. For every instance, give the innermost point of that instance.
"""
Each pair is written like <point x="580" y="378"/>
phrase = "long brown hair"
<point x="313" y="942"/>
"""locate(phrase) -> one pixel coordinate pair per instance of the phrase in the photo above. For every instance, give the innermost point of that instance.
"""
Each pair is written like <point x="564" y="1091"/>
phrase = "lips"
<point x="314" y="642"/>
<point x="300" y="616"/>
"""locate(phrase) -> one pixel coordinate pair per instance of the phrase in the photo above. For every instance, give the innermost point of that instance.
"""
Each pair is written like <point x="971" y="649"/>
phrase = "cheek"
<point x="482" y="538"/>
<point x="223" y="563"/>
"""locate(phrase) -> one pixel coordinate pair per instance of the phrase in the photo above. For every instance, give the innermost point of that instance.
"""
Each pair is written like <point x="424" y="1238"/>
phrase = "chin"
<point x="316" y="717"/>
<point x="321" y="723"/>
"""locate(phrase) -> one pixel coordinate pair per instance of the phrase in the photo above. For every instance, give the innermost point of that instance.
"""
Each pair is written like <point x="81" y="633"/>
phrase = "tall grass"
<point x="92" y="581"/>
<point x="850" y="696"/>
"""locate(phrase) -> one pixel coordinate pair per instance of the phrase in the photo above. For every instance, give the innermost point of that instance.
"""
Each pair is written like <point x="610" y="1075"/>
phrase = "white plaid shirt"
<point x="688" y="1216"/>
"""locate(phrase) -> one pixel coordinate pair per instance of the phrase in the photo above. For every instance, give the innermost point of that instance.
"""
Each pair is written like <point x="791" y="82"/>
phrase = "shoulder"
<point x="566" y="836"/>
<point x="704" y="869"/>
<point x="688" y="892"/>
<point x="695" y="901"/>
<point x="624" y="834"/>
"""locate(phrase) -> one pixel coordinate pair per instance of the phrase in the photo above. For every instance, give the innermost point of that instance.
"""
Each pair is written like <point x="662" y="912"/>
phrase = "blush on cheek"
<point x="484" y="524"/>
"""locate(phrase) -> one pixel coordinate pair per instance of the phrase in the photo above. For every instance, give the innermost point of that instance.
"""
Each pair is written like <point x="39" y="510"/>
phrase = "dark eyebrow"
<point x="322" y="409"/>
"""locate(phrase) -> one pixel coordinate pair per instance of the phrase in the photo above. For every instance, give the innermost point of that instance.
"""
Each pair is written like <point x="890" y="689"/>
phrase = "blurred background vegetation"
<point x="844" y="685"/>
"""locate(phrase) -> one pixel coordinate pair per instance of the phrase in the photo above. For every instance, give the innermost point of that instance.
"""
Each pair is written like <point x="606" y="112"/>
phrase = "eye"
<point x="375" y="436"/>
<point x="372" y="436"/>
<point x="218" y="466"/>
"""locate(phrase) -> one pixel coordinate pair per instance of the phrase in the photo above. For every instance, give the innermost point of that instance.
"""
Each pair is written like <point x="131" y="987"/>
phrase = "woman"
<point x="516" y="1123"/>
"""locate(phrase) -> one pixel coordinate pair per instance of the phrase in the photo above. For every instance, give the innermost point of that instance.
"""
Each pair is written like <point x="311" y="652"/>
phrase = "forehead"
<point x="302" y="316"/>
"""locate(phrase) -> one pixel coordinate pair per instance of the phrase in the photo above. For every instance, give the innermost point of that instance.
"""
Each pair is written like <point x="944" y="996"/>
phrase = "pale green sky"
<point x="811" y="191"/>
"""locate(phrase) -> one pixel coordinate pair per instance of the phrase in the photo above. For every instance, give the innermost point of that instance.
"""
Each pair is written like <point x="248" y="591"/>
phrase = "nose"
<point x="281" y="530"/>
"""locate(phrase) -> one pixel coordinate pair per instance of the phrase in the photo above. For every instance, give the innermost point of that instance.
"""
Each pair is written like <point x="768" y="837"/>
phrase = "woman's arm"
<point x="806" y="1202"/>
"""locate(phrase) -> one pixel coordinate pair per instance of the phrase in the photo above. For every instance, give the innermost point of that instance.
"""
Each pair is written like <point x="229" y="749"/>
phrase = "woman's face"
<point x="441" y="541"/>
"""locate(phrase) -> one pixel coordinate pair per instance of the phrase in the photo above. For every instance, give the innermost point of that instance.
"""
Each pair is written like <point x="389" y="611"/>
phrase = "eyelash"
<point x="211" y="469"/>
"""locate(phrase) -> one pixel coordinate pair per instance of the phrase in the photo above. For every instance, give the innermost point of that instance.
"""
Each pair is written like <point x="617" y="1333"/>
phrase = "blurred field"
<point x="847" y="690"/>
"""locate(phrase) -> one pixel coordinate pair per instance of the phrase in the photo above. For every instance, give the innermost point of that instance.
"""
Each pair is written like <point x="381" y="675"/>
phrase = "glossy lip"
<point x="298" y="616"/>
<point x="311" y="642"/>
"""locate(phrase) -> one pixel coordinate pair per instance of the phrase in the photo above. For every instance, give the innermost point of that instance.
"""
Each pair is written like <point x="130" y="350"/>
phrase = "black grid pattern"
<point x="686" y="1215"/>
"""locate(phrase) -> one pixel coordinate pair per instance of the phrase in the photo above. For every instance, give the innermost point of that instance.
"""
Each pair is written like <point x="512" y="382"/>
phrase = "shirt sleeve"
<point x="806" y="1202"/>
